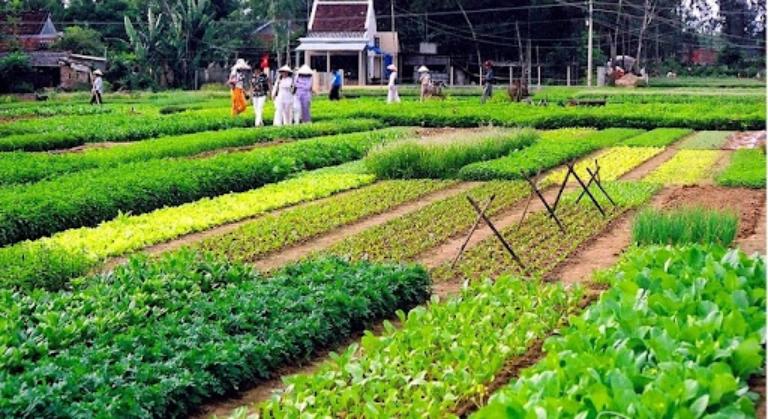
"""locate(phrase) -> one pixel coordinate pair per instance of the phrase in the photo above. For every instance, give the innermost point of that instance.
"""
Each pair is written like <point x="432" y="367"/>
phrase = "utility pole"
<point x="589" y="47"/>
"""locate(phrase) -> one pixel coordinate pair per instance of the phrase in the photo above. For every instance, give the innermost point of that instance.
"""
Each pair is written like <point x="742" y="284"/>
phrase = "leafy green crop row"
<point x="443" y="159"/>
<point x="442" y="354"/>
<point x="685" y="225"/>
<point x="686" y="167"/>
<point x="157" y="338"/>
<point x="539" y="243"/>
<point x="698" y="114"/>
<point x="276" y="231"/>
<point x="85" y="198"/>
<point x="747" y="169"/>
<point x="677" y="335"/>
<point x="52" y="261"/>
<point x="69" y="131"/>
<point x="18" y="167"/>
<point x="706" y="140"/>
<point x="659" y="137"/>
<point x="546" y="153"/>
<point x="51" y="110"/>
<point x="405" y="237"/>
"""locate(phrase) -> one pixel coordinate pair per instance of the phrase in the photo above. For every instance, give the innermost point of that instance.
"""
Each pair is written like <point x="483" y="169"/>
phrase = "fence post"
<point x="568" y="75"/>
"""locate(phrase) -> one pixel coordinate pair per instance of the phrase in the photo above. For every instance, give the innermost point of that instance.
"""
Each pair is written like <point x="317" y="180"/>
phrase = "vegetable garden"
<point x="161" y="258"/>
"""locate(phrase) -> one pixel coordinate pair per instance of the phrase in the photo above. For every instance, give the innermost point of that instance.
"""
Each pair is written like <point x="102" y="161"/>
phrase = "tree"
<point x="81" y="41"/>
<point x="15" y="73"/>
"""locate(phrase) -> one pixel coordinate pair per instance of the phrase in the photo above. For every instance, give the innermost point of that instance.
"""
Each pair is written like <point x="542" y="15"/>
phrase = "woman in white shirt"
<point x="283" y="97"/>
<point x="392" y="95"/>
<point x="97" y="88"/>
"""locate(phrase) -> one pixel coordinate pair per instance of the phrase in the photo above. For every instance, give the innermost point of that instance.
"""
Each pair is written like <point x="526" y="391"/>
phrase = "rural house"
<point x="342" y="34"/>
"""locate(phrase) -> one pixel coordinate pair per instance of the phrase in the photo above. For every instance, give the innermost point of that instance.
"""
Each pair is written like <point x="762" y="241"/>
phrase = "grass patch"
<point x="747" y="169"/>
<point x="685" y="225"/>
<point x="442" y="159"/>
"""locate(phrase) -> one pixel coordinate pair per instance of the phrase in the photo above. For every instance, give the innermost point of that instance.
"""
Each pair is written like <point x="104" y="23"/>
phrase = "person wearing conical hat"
<point x="97" y="88"/>
<point x="425" y="80"/>
<point x="392" y="95"/>
<point x="283" y="96"/>
<point x="304" y="92"/>
<point x="237" y="86"/>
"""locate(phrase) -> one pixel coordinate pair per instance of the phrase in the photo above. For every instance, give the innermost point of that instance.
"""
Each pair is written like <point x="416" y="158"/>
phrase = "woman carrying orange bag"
<point x="237" y="86"/>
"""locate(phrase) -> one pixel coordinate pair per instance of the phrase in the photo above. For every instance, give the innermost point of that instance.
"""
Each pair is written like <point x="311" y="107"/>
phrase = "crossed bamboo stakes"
<point x="594" y="179"/>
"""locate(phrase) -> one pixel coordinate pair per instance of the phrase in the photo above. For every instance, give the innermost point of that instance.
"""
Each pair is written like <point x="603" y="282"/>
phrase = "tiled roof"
<point x="26" y="23"/>
<point x="340" y="17"/>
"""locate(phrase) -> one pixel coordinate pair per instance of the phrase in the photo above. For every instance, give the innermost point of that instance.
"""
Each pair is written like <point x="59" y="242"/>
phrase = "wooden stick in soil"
<point x="589" y="194"/>
<point x="496" y="232"/>
<point x="472" y="231"/>
<point x="560" y="192"/>
<point x="597" y="182"/>
<point x="527" y="203"/>
<point x="546" y="205"/>
<point x="592" y="178"/>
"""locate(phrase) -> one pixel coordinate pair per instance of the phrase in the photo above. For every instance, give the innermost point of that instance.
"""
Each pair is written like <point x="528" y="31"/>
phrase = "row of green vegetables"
<point x="88" y="197"/>
<point x="553" y="149"/>
<point x="156" y="338"/>
<point x="52" y="261"/>
<point x="20" y="167"/>
<point x="69" y="131"/>
<point x="58" y="109"/>
<point x="442" y="158"/>
<point x="448" y="353"/>
<point x="677" y="335"/>
<point x="699" y="115"/>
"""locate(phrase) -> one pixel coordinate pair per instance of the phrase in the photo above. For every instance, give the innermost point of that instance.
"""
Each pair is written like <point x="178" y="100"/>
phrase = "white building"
<point x="342" y="34"/>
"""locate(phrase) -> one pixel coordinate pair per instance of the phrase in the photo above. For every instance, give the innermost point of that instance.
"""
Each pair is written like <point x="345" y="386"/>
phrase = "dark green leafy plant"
<point x="677" y="335"/>
<point x="158" y="337"/>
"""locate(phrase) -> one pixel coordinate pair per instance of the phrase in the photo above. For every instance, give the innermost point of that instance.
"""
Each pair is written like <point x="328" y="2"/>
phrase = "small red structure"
<point x="703" y="56"/>
<point x="32" y="31"/>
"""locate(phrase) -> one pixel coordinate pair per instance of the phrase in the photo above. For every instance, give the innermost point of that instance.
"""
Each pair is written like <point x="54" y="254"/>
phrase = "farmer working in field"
<point x="392" y="95"/>
<point x="488" y="81"/>
<point x="425" y="81"/>
<point x="336" y="81"/>
<point x="236" y="84"/>
<point x="97" y="88"/>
